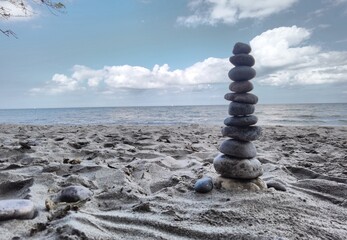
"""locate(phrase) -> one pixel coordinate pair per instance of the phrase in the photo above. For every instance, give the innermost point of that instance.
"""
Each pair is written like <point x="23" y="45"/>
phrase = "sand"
<point x="142" y="180"/>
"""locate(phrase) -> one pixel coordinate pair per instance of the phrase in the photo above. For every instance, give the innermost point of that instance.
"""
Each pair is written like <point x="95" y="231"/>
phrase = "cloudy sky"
<point x="165" y="52"/>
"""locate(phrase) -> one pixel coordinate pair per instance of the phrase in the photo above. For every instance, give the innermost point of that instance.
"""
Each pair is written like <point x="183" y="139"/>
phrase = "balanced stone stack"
<point x="237" y="160"/>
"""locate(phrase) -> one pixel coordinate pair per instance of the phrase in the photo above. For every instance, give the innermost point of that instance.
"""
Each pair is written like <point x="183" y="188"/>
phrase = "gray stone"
<point x="241" y="97"/>
<point x="232" y="184"/>
<point x="74" y="194"/>
<point x="276" y="185"/>
<point x="242" y="60"/>
<point x="237" y="148"/>
<point x="241" y="73"/>
<point x="241" y="108"/>
<point x="250" y="133"/>
<point x="230" y="167"/>
<point x="241" y="120"/>
<point x="240" y="47"/>
<point x="17" y="209"/>
<point x="203" y="185"/>
<point x="241" y="87"/>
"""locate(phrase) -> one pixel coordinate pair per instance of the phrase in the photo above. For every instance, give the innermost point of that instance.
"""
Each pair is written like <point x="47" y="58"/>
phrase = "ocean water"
<point x="279" y="114"/>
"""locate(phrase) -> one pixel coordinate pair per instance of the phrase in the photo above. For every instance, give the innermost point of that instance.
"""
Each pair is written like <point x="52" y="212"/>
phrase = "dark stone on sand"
<point x="109" y="145"/>
<point x="17" y="209"/>
<point x="230" y="167"/>
<point x="203" y="185"/>
<point x="241" y="73"/>
<point x="240" y="47"/>
<point x="74" y="194"/>
<point x="242" y="133"/>
<point x="241" y="108"/>
<point x="25" y="145"/>
<point x="241" y="87"/>
<point x="242" y="60"/>
<point x="276" y="185"/>
<point x="241" y="97"/>
<point x="241" y="120"/>
<point x="238" y="149"/>
<point x="59" y="138"/>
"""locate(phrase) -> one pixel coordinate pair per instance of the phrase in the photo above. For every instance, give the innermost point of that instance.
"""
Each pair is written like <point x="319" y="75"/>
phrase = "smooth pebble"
<point x="241" y="73"/>
<point x="276" y="185"/>
<point x="241" y="97"/>
<point x="241" y="87"/>
<point x="238" y="149"/>
<point x="203" y="185"/>
<point x="250" y="133"/>
<point x="241" y="108"/>
<point x="74" y="194"/>
<point x="17" y="209"/>
<point x="242" y="60"/>
<point x="230" y="167"/>
<point x="240" y="47"/>
<point x="241" y="120"/>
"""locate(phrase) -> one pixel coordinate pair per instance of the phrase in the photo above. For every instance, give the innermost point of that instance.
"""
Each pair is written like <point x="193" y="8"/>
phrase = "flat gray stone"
<point x="241" y="87"/>
<point x="240" y="47"/>
<point x="241" y="73"/>
<point x="238" y="149"/>
<point x="241" y="97"/>
<point x="242" y="60"/>
<point x="241" y="108"/>
<point x="230" y="167"/>
<point x="241" y="120"/>
<point x="17" y="209"/>
<point x="74" y="194"/>
<point x="250" y="133"/>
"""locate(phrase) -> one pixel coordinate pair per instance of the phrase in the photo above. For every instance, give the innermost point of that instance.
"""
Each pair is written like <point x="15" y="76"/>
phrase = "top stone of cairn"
<point x="241" y="48"/>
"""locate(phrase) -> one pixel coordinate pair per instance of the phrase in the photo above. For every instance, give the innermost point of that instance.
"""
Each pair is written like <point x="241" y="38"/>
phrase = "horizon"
<point x="145" y="52"/>
<point x="201" y="105"/>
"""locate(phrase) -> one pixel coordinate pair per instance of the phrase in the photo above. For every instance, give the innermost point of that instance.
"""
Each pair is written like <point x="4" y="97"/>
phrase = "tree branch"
<point x="7" y="6"/>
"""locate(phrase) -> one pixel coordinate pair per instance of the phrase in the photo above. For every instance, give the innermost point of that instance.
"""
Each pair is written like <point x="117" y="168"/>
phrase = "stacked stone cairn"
<point x="237" y="159"/>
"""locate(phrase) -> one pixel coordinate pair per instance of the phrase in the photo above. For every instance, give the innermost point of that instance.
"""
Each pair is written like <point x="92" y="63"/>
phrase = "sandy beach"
<point x="142" y="178"/>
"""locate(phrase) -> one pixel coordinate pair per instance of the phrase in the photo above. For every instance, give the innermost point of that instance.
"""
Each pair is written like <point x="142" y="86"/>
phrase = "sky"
<point x="171" y="52"/>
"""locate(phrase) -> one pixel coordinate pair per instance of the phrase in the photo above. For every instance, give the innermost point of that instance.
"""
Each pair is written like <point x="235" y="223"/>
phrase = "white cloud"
<point x="16" y="11"/>
<point x="211" y="12"/>
<point x="110" y="78"/>
<point x="282" y="58"/>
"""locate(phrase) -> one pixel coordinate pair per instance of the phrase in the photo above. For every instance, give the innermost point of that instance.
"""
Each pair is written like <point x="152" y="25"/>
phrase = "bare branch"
<point x="7" y="7"/>
<point x="8" y="33"/>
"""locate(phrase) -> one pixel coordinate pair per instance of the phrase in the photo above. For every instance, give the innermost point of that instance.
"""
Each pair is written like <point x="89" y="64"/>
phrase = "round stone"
<point x="240" y="47"/>
<point x="238" y="149"/>
<point x="242" y="60"/>
<point x="241" y="97"/>
<point x="17" y="209"/>
<point x="241" y="120"/>
<point x="230" y="167"/>
<point x="203" y="185"/>
<point x="242" y="133"/>
<point x="241" y="87"/>
<point x="241" y="73"/>
<point x="241" y="108"/>
<point x="276" y="185"/>
<point x="74" y="194"/>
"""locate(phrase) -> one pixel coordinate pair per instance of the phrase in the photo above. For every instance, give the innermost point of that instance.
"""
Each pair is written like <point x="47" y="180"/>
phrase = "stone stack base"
<point x="232" y="184"/>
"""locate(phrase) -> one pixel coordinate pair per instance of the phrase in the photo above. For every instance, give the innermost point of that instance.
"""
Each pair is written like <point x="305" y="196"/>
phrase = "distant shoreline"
<point x="154" y="106"/>
<point x="268" y="114"/>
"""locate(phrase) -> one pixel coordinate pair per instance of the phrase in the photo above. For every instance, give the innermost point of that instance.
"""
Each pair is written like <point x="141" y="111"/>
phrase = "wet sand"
<point x="142" y="180"/>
